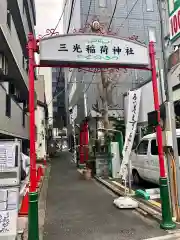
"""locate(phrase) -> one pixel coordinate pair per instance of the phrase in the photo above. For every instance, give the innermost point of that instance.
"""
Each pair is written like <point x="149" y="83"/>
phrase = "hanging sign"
<point x="91" y="49"/>
<point x="134" y="98"/>
<point x="174" y="19"/>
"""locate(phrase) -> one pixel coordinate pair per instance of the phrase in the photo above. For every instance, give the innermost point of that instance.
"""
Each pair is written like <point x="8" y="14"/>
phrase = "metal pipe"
<point x="156" y="106"/>
<point x="32" y="114"/>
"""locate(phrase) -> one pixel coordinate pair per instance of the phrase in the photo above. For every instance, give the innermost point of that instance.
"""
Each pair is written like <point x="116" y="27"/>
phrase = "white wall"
<point x="146" y="104"/>
<point x="40" y="124"/>
<point x="13" y="125"/>
<point x="47" y="73"/>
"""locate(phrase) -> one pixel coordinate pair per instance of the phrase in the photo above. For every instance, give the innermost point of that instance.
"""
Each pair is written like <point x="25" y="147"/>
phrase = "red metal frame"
<point x="81" y="147"/>
<point x="156" y="106"/>
<point x="32" y="48"/>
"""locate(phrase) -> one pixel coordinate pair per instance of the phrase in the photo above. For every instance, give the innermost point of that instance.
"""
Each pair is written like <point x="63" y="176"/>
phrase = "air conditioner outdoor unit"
<point x="3" y="64"/>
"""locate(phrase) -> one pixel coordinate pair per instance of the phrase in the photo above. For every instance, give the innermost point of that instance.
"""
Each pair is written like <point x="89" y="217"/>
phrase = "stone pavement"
<point x="83" y="210"/>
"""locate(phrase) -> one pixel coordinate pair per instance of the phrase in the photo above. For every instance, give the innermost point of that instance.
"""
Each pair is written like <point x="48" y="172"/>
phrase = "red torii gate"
<point x="50" y="50"/>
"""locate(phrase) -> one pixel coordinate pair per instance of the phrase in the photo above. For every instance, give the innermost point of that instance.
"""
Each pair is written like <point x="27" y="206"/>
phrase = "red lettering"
<point x="175" y="24"/>
<point x="179" y="19"/>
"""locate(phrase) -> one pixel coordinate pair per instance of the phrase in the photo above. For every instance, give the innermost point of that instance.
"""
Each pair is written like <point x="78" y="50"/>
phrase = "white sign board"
<point x="9" y="203"/>
<point x="89" y="49"/>
<point x="134" y="98"/>
<point x="9" y="163"/>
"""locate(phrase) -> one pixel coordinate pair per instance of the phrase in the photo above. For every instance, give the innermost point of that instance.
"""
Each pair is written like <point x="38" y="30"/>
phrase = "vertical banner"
<point x="134" y="98"/>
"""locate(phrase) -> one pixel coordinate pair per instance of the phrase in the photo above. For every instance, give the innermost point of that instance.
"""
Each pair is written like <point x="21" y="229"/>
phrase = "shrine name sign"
<point x="92" y="50"/>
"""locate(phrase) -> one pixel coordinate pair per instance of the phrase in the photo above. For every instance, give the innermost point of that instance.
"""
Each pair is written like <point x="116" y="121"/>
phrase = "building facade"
<point x="46" y="73"/>
<point x="137" y="20"/>
<point x="58" y="92"/>
<point x="17" y="19"/>
<point x="41" y="115"/>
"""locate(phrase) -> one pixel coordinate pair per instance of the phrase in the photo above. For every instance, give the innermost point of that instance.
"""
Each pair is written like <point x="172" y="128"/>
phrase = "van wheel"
<point x="136" y="178"/>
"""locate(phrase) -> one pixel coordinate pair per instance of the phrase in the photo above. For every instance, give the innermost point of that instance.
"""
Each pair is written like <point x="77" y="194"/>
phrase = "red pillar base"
<point x="40" y="173"/>
<point x="24" y="206"/>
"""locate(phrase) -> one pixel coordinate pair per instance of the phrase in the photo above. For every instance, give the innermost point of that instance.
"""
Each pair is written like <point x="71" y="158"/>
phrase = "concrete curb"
<point x="145" y="207"/>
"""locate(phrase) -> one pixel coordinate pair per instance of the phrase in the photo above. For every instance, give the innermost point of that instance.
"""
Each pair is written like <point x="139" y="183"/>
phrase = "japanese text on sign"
<point x="92" y="49"/>
<point x="74" y="49"/>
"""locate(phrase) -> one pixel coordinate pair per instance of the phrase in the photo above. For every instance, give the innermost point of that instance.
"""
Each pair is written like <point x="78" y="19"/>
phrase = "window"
<point x="8" y="105"/>
<point x="54" y="84"/>
<point x="24" y="115"/>
<point x="9" y="19"/>
<point x="154" y="147"/>
<point x="55" y="109"/>
<point x="143" y="147"/>
<point x="149" y="6"/>
<point x="152" y="34"/>
<point x="11" y="88"/>
<point x="102" y="3"/>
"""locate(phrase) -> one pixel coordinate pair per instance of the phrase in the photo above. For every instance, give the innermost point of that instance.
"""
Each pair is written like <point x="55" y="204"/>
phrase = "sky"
<point x="47" y="14"/>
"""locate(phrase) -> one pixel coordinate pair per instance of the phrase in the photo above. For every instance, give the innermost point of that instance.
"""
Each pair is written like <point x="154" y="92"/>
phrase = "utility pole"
<point x="170" y="126"/>
<point x="33" y="226"/>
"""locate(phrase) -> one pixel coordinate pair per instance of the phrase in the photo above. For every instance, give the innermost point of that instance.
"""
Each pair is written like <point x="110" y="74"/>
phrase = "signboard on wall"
<point x="9" y="203"/>
<point x="92" y="49"/>
<point x="174" y="19"/>
<point x="9" y="162"/>
<point x="174" y="59"/>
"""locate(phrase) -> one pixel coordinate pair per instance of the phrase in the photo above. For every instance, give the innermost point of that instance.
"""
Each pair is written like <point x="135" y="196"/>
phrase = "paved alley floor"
<point x="83" y="210"/>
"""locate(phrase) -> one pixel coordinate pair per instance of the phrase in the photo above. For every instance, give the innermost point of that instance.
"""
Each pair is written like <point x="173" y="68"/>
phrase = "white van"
<point x="145" y="161"/>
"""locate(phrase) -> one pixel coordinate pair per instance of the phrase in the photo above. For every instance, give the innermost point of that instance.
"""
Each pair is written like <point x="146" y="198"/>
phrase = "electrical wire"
<point x="115" y="6"/>
<point x="59" y="93"/>
<point x="59" y="20"/>
<point x="88" y="12"/>
<point x="70" y="17"/>
<point x="129" y="12"/>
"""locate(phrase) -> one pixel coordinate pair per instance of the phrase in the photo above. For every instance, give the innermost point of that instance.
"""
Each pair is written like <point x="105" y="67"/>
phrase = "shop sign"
<point x="174" y="19"/>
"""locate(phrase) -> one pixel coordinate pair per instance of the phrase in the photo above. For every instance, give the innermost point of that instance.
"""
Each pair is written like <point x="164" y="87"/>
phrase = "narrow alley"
<point x="79" y="209"/>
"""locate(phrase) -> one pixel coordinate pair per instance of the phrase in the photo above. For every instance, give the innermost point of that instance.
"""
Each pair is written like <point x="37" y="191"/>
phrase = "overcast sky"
<point x="48" y="13"/>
